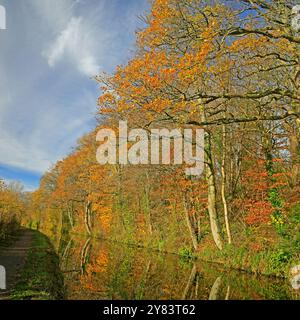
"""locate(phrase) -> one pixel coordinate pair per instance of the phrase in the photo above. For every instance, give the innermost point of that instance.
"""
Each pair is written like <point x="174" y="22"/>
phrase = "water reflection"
<point x="97" y="269"/>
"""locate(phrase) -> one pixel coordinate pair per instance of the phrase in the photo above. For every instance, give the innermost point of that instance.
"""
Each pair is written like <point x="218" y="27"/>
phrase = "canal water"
<point x="98" y="269"/>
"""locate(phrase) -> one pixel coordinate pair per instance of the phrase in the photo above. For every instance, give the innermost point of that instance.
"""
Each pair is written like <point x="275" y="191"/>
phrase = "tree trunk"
<point x="189" y="225"/>
<point x="212" y="208"/>
<point x="295" y="139"/>
<point x="70" y="214"/>
<point x="211" y="198"/>
<point x="215" y="289"/>
<point x="120" y="196"/>
<point x="84" y="255"/>
<point x="87" y="219"/>
<point x="148" y="204"/>
<point x="223" y="185"/>
<point x="295" y="157"/>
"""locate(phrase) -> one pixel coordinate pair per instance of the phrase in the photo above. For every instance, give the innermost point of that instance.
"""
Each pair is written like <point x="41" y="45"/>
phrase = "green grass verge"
<point x="41" y="278"/>
<point x="276" y="263"/>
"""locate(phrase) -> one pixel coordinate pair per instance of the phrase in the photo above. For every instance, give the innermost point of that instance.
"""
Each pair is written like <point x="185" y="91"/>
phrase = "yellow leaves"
<point x="153" y="82"/>
<point x="185" y="61"/>
<point x="190" y="67"/>
<point x="158" y="105"/>
<point x="193" y="63"/>
<point x="106" y="98"/>
<point x="162" y="10"/>
<point x="248" y="43"/>
<point x="11" y="207"/>
<point x="102" y="261"/>
<point x="105" y="220"/>
<point x="286" y="46"/>
<point x="204" y="50"/>
<point x="161" y="3"/>
<point x="168" y="73"/>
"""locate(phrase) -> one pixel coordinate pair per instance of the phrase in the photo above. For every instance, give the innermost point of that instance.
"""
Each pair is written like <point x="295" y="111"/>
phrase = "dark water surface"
<point x="97" y="269"/>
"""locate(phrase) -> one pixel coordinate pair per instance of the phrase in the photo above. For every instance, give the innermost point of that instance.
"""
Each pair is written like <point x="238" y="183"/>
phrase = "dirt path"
<point x="13" y="258"/>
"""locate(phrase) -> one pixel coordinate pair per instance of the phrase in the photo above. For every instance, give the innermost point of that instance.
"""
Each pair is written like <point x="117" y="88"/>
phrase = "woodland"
<point x="231" y="68"/>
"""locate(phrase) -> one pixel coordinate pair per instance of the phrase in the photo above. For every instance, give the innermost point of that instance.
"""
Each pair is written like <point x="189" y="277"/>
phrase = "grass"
<point x="41" y="278"/>
<point x="263" y="250"/>
<point x="268" y="262"/>
<point x="275" y="260"/>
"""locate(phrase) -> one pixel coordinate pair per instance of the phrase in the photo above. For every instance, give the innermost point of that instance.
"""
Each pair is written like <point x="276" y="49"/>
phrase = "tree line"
<point x="231" y="68"/>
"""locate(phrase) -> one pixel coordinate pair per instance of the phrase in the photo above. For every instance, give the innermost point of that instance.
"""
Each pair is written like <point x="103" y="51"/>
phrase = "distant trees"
<point x="12" y="208"/>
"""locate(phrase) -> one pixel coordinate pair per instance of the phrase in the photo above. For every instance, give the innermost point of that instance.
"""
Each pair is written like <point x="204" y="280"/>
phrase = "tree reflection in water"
<point x="98" y="269"/>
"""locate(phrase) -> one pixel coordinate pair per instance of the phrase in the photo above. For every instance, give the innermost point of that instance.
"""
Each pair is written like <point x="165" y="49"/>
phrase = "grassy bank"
<point x="270" y="250"/>
<point x="275" y="263"/>
<point x="41" y="278"/>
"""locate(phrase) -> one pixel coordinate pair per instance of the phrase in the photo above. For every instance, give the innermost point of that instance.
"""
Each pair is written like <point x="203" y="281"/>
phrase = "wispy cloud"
<point x="75" y="44"/>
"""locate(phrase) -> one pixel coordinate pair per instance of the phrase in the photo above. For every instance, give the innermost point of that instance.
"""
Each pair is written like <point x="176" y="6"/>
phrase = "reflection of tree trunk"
<point x="142" y="283"/>
<point x="190" y="282"/>
<point x="197" y="287"/>
<point x="64" y="256"/>
<point x="148" y="268"/>
<point x="227" y="293"/>
<point x="2" y="278"/>
<point x="84" y="255"/>
<point x="214" y="292"/>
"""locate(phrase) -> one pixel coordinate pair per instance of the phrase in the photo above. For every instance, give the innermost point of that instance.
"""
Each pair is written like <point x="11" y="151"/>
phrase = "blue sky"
<point x="48" y="53"/>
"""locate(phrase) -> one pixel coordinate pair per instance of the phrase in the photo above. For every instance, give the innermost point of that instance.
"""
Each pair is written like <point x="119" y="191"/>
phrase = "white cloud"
<point x="74" y="43"/>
